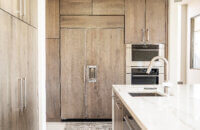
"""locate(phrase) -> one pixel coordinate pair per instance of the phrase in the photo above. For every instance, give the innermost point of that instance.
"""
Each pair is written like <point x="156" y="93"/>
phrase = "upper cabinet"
<point x="108" y="7"/>
<point x="75" y="7"/>
<point x="11" y="6"/>
<point x="52" y="19"/>
<point x="26" y="10"/>
<point x="156" y="20"/>
<point x="145" y="21"/>
<point x="92" y="7"/>
<point x="134" y="21"/>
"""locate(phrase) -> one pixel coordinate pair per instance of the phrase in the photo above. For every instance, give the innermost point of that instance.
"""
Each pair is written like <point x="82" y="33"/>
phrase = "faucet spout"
<point x="152" y="63"/>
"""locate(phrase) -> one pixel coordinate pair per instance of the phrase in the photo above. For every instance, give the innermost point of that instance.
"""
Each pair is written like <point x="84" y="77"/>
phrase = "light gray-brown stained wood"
<point x="72" y="73"/>
<point x="52" y="19"/>
<point x="156" y="20"/>
<point x="105" y="49"/>
<point x="75" y="7"/>
<point x="52" y="80"/>
<point x="92" y="21"/>
<point x="108" y="7"/>
<point x="134" y="21"/>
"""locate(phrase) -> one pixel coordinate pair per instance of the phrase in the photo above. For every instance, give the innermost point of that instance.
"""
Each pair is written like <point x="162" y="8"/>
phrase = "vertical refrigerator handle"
<point x="25" y="89"/>
<point x="148" y="35"/>
<point x="92" y="73"/>
<point x="143" y="33"/>
<point x="20" y="94"/>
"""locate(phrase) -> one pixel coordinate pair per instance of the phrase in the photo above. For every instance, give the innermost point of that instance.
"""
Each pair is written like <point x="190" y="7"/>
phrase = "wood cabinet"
<point x="72" y="73"/>
<point x="25" y="10"/>
<point x="75" y="7"/>
<point x="100" y="48"/>
<point x="11" y="6"/>
<point x="19" y="86"/>
<point x="92" y="7"/>
<point x="53" y="79"/>
<point x="105" y="50"/>
<point x="145" y="21"/>
<point x="108" y="7"/>
<point x="5" y="89"/>
<point x="118" y="114"/>
<point x="52" y="19"/>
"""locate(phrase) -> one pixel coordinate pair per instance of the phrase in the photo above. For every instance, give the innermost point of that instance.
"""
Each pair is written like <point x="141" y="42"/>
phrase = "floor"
<point x="79" y="126"/>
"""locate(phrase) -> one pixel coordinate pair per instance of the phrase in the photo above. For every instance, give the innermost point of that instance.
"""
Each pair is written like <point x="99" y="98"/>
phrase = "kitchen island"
<point x="180" y="110"/>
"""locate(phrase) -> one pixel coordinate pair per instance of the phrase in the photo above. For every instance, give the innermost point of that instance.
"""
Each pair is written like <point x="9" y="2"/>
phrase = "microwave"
<point x="141" y="54"/>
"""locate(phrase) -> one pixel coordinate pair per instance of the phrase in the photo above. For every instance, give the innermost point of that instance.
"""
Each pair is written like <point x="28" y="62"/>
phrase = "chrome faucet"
<point x="167" y="71"/>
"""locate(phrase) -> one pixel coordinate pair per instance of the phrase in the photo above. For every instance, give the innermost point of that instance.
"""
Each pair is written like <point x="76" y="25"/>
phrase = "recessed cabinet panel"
<point x="73" y="73"/>
<point x="92" y="21"/>
<point x="108" y="7"/>
<point x="156" y="21"/>
<point x="134" y="21"/>
<point x="52" y="79"/>
<point x="75" y="7"/>
<point x="105" y="49"/>
<point x="5" y="88"/>
<point x="52" y="19"/>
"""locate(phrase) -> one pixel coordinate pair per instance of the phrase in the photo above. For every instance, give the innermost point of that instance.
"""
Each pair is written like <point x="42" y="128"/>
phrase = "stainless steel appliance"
<point x="138" y="58"/>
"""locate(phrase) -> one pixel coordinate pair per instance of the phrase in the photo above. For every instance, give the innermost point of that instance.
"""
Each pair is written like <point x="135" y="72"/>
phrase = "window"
<point x="195" y="43"/>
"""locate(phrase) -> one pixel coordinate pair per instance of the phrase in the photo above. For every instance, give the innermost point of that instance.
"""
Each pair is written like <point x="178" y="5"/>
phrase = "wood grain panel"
<point x="134" y="20"/>
<point x="34" y="12"/>
<point x="75" y="7"/>
<point x="52" y="79"/>
<point x="106" y="50"/>
<point x="156" y="20"/>
<point x="5" y="88"/>
<point x="92" y="21"/>
<point x="52" y="19"/>
<point x="108" y="7"/>
<point x="72" y="73"/>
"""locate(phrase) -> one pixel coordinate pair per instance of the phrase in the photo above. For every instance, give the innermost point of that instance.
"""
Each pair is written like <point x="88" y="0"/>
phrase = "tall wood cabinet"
<point x="25" y="10"/>
<point x="146" y="21"/>
<point x="19" y="91"/>
<point x="92" y="59"/>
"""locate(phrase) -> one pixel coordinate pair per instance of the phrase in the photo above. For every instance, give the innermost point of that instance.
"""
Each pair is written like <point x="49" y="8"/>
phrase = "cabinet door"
<point x="5" y="87"/>
<point x="75" y="7"/>
<point x="156" y="15"/>
<point x="11" y="6"/>
<point x="52" y="19"/>
<point x="118" y="114"/>
<point x="33" y="12"/>
<point x="108" y="7"/>
<point x="72" y="73"/>
<point x="30" y="117"/>
<point x="52" y="79"/>
<point x="105" y="51"/>
<point x="134" y="21"/>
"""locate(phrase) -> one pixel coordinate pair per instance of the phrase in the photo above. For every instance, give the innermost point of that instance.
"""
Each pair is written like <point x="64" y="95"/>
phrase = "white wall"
<point x="41" y="65"/>
<point x="173" y="41"/>
<point x="193" y="76"/>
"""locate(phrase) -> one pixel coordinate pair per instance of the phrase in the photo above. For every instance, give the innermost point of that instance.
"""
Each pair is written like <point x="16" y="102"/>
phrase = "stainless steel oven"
<point x="138" y="75"/>
<point x="141" y="54"/>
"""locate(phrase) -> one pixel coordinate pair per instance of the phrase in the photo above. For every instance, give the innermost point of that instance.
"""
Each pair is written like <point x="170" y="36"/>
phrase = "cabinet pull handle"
<point x="92" y="73"/>
<point x="148" y="37"/>
<point x="25" y="85"/>
<point x="143" y="33"/>
<point x="24" y="12"/>
<point x="128" y="123"/>
<point x="117" y="104"/>
<point x="21" y="95"/>
<point x="21" y="7"/>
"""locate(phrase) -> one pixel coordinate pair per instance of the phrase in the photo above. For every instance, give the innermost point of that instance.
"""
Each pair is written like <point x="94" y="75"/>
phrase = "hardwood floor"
<point x="79" y="126"/>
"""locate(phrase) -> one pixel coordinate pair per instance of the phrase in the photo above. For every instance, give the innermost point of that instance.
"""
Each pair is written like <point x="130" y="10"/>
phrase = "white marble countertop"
<point x="178" y="112"/>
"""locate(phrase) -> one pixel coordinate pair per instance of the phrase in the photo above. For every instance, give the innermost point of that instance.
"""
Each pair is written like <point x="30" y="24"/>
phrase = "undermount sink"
<point x="146" y="95"/>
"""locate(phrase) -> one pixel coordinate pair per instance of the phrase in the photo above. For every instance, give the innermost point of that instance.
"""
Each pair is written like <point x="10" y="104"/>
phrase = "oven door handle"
<point x="145" y="75"/>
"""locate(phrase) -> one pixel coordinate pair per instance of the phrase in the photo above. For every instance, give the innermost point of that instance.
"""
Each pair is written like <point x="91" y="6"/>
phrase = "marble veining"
<point x="180" y="111"/>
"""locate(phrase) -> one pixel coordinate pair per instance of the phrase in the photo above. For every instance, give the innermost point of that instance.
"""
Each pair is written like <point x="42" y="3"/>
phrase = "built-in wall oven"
<point x="138" y="58"/>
